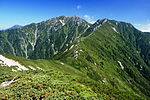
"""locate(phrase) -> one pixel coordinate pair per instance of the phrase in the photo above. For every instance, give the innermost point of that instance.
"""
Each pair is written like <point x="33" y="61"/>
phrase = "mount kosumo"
<point x="69" y="58"/>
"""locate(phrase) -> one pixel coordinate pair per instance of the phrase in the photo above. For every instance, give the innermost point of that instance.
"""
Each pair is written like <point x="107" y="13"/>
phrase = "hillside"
<point x="105" y="60"/>
<point x="113" y="53"/>
<point x="57" y="80"/>
<point x="43" y="79"/>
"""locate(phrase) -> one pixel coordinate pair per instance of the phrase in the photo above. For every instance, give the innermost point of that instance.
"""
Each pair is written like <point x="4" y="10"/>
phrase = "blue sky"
<point x="23" y="12"/>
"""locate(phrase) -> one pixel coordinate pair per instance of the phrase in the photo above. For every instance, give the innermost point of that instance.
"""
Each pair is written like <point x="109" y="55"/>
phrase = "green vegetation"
<point x="108" y="60"/>
<point x="56" y="81"/>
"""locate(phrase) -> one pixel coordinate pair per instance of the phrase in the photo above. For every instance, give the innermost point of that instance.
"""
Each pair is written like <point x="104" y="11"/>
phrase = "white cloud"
<point x="137" y="25"/>
<point x="78" y="6"/>
<point x="89" y="18"/>
<point x="92" y="22"/>
<point x="143" y="27"/>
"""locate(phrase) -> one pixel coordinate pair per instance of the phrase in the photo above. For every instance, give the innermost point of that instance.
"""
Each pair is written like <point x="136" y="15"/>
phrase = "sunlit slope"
<point x="111" y="55"/>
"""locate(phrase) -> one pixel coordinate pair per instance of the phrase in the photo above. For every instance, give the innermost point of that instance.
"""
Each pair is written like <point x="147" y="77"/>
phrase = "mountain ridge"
<point x="113" y="56"/>
<point x="57" y="25"/>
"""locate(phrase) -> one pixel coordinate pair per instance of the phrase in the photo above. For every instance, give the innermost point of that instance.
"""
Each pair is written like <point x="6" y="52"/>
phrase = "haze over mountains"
<point x="108" y="59"/>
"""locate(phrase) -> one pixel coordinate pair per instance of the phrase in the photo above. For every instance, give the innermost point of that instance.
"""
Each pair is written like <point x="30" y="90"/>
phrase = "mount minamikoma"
<point x="69" y="58"/>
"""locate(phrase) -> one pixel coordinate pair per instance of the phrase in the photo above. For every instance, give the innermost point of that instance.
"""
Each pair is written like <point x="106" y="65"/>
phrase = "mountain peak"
<point x="104" y="20"/>
<point x="113" y="22"/>
<point x="14" y="27"/>
<point x="63" y="20"/>
<point x="101" y="21"/>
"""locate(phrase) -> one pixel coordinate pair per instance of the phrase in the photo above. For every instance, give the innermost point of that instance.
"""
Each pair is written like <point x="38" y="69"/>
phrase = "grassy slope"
<point x="99" y="58"/>
<point x="57" y="81"/>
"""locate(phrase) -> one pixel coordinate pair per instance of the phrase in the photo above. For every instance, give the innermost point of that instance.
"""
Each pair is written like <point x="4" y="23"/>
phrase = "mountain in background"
<point x="14" y="27"/>
<point x="105" y="60"/>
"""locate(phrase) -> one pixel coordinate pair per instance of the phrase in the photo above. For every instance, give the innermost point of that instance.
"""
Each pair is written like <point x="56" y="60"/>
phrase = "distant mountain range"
<point x="111" y="58"/>
<point x="14" y="27"/>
